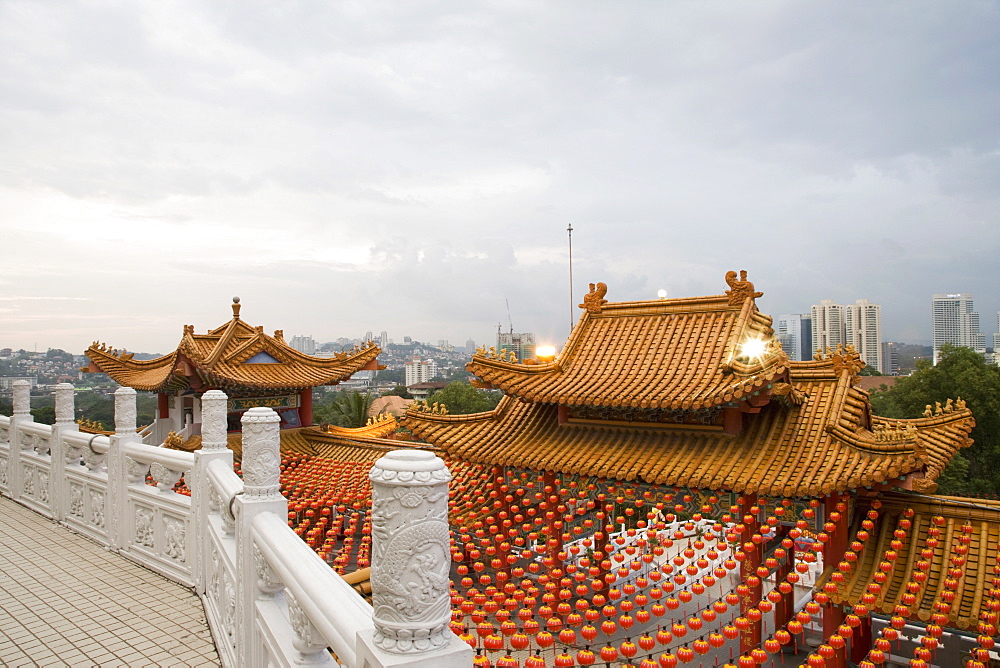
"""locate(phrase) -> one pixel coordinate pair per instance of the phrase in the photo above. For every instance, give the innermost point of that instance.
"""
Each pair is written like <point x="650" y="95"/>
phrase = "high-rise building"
<point x="522" y="343"/>
<point x="470" y="346"/>
<point x="420" y="371"/>
<point x="890" y="359"/>
<point x="863" y="330"/>
<point x="996" y="342"/>
<point x="383" y="339"/>
<point x="368" y="336"/>
<point x="827" y="325"/>
<point x="794" y="332"/>
<point x="956" y="321"/>
<point x="304" y="344"/>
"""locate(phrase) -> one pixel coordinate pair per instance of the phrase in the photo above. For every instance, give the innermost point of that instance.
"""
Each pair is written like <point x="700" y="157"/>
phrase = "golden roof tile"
<point x="818" y="446"/>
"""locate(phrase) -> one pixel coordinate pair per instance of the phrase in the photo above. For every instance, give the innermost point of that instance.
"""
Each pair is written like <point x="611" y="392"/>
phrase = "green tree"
<point x="398" y="391"/>
<point x="347" y="409"/>
<point x="959" y="373"/>
<point x="461" y="398"/>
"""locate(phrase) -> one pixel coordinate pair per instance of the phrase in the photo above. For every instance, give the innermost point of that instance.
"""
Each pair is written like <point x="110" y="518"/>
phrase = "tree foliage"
<point x="346" y="409"/>
<point x="959" y="373"/>
<point x="461" y="398"/>
<point x="398" y="391"/>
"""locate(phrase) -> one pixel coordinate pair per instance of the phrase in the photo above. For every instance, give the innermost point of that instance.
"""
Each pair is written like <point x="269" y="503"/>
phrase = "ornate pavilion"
<point x="253" y="368"/>
<point x="661" y="491"/>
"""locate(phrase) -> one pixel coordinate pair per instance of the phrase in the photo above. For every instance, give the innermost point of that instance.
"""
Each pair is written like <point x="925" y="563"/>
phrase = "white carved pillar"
<point x="261" y="466"/>
<point x="410" y="566"/>
<point x="65" y="422"/>
<point x="116" y="499"/>
<point x="214" y="445"/>
<point x="22" y="413"/>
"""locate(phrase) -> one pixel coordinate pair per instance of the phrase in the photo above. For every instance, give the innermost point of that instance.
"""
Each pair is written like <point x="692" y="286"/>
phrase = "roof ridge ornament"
<point x="594" y="300"/>
<point x="740" y="290"/>
<point x="236" y="308"/>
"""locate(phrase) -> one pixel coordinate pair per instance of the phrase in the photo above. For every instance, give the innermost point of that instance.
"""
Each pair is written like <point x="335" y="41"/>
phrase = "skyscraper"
<point x="863" y="330"/>
<point x="794" y="332"/>
<point x="420" y="371"/>
<point x="522" y="343"/>
<point x="890" y="359"/>
<point x="304" y="344"/>
<point x="955" y="321"/>
<point x="827" y="325"/>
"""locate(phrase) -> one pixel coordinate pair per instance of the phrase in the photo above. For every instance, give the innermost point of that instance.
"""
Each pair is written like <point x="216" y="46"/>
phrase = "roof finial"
<point x="236" y="307"/>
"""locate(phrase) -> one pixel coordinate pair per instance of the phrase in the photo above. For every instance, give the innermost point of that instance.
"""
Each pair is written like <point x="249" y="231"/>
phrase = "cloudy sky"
<point x="413" y="166"/>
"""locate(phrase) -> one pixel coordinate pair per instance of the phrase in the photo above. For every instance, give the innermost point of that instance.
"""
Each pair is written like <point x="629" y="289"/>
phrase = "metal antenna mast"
<point x="569" y="231"/>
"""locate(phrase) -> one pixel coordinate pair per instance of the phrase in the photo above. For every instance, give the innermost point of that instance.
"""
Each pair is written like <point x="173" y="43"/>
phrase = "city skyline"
<point x="417" y="166"/>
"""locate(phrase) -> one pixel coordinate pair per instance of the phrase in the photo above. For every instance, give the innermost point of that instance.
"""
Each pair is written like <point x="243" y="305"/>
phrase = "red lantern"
<point x="667" y="660"/>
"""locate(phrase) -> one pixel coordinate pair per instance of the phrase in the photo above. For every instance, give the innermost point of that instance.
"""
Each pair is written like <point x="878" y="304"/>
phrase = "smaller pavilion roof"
<point x="667" y="353"/>
<point x="234" y="356"/>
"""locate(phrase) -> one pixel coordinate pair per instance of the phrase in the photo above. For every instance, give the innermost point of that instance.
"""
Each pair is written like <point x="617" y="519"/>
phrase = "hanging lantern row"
<point x="987" y="626"/>
<point x="880" y="649"/>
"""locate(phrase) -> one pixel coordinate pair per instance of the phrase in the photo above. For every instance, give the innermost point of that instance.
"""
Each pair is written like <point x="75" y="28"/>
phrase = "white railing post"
<point x="22" y="413"/>
<point x="411" y="558"/>
<point x="214" y="445"/>
<point x="116" y="499"/>
<point x="261" y="466"/>
<point x="65" y="422"/>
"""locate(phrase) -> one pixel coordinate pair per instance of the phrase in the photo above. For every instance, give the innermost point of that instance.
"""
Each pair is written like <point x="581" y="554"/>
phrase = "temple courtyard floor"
<point x="65" y="600"/>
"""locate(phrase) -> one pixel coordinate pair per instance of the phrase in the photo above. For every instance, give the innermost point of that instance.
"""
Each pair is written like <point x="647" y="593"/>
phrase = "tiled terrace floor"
<point x="65" y="600"/>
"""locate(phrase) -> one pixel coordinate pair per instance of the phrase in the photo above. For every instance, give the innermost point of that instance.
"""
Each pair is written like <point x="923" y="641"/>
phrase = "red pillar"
<point x="751" y="637"/>
<point x="861" y="641"/>
<point x="163" y="405"/>
<point x="306" y="406"/>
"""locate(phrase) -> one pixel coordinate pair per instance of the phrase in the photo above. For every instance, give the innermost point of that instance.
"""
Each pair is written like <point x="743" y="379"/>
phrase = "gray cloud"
<point x="412" y="167"/>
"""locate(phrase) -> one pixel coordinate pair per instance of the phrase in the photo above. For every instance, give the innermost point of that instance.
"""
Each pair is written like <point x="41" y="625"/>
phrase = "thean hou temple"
<point x="668" y="489"/>
<point x="660" y="492"/>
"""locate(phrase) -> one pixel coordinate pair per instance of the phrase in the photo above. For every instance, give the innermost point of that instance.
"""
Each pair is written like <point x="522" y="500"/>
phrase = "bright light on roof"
<point x="545" y="352"/>
<point x="753" y="349"/>
<point x="661" y="293"/>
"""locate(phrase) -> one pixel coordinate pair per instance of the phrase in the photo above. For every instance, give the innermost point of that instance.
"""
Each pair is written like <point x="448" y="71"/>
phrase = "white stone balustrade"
<point x="269" y="599"/>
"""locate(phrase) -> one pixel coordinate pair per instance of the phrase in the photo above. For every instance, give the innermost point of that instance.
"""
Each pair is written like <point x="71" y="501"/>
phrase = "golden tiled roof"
<point x="970" y="524"/>
<point x="379" y="426"/>
<point x="345" y="445"/>
<point x="785" y="451"/>
<point x="227" y="357"/>
<point x="807" y="429"/>
<point x="668" y="354"/>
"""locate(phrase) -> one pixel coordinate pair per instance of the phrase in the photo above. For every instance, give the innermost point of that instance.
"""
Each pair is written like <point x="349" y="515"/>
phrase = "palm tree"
<point x="350" y="409"/>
